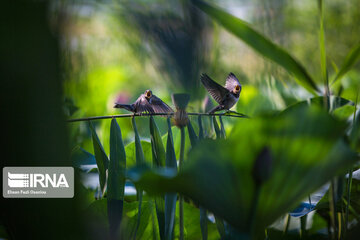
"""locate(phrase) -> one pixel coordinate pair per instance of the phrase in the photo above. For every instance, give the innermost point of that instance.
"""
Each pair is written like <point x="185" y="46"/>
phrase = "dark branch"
<point x="231" y="114"/>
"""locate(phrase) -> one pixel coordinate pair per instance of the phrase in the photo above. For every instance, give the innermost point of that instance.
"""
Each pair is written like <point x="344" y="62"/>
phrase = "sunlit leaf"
<point x="258" y="42"/>
<point x="116" y="178"/>
<point x="350" y="60"/>
<point x="102" y="160"/>
<point x="132" y="151"/>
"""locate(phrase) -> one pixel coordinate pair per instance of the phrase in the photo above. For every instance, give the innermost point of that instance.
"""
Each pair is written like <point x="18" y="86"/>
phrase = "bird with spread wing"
<point x="147" y="102"/>
<point x="226" y="96"/>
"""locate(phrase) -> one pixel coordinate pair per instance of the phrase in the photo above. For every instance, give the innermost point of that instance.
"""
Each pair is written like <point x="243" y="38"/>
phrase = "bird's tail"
<point x="125" y="106"/>
<point x="217" y="108"/>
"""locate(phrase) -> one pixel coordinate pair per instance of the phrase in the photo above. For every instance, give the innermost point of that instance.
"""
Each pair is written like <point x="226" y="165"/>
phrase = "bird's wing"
<point x="142" y="105"/>
<point x="231" y="82"/>
<point x="159" y="106"/>
<point x="217" y="91"/>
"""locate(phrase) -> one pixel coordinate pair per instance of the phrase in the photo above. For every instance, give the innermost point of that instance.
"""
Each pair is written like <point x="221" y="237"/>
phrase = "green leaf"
<point x="334" y="103"/>
<point x="218" y="174"/>
<point x="322" y="45"/>
<point x="80" y="157"/>
<point x="350" y="60"/>
<point x="96" y="215"/>
<point x="159" y="158"/>
<point x="102" y="160"/>
<point x="216" y="128"/>
<point x="158" y="150"/>
<point x="170" y="198"/>
<point x="259" y="43"/>
<point x="132" y="152"/>
<point x="116" y="178"/>
<point x="201" y="130"/>
<point x="139" y="153"/>
<point x="117" y="164"/>
<point x="191" y="224"/>
<point x="140" y="160"/>
<point x="170" y="161"/>
<point x="220" y="227"/>
<point x="192" y="135"/>
<point x="203" y="223"/>
<point x="222" y="128"/>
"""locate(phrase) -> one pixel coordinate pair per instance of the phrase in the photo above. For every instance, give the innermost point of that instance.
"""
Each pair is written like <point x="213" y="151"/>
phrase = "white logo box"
<point x="38" y="182"/>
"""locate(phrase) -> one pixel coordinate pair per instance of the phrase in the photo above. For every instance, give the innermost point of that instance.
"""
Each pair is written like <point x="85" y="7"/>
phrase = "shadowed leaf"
<point x="306" y="154"/>
<point x="159" y="158"/>
<point x="102" y="160"/>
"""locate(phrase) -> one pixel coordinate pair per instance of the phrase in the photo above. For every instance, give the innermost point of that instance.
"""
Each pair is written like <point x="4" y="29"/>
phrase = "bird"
<point x="147" y="102"/>
<point x="226" y="96"/>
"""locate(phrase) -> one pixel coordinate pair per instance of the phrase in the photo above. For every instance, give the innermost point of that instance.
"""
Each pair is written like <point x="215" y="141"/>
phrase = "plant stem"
<point x="332" y="206"/>
<point x="253" y="211"/>
<point x="288" y="219"/>
<point x="303" y="220"/>
<point x="181" y="199"/>
<point x="152" y="114"/>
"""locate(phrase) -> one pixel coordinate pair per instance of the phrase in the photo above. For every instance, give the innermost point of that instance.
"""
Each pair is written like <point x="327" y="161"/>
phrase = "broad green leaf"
<point x="116" y="178"/>
<point x="159" y="158"/>
<point x="158" y="150"/>
<point x="132" y="151"/>
<point x="139" y="153"/>
<point x="259" y="43"/>
<point x="344" y="112"/>
<point x="117" y="164"/>
<point x="307" y="149"/>
<point x="102" y="160"/>
<point x="350" y="60"/>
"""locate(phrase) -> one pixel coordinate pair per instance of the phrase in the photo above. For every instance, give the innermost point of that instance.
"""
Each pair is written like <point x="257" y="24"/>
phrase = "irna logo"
<point x="22" y="180"/>
<point x="38" y="182"/>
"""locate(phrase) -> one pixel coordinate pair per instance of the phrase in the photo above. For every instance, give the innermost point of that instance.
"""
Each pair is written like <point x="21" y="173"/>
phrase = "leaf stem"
<point x="240" y="115"/>
<point x="181" y="198"/>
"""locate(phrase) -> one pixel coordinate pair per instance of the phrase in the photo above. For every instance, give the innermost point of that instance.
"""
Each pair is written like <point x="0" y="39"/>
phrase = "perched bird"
<point x="226" y="96"/>
<point x="147" y="102"/>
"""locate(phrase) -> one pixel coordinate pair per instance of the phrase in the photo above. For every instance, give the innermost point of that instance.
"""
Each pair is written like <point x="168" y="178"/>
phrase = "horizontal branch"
<point x="238" y="115"/>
